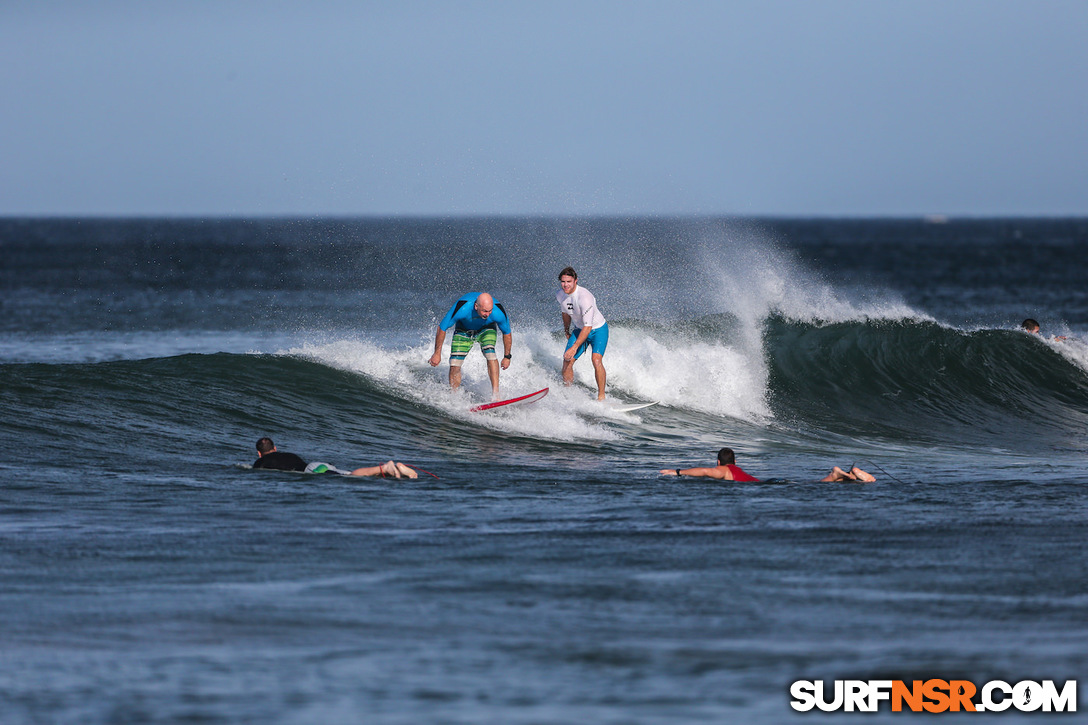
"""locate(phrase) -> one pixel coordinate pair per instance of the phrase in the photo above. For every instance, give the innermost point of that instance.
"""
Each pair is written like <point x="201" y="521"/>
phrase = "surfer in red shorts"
<point x="726" y="470"/>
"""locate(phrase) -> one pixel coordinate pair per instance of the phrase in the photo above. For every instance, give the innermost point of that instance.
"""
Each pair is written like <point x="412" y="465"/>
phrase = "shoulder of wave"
<point x="889" y="315"/>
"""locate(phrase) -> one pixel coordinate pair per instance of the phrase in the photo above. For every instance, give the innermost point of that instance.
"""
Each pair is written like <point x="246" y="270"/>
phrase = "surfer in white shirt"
<point x="584" y="326"/>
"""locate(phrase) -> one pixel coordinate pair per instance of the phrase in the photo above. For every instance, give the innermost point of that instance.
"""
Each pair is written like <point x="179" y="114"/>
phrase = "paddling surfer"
<point x="590" y="329"/>
<point x="271" y="459"/>
<point x="726" y="470"/>
<point x="476" y="318"/>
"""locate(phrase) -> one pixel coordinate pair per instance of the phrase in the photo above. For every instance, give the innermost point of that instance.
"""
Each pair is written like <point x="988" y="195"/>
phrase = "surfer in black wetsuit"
<point x="270" y="458"/>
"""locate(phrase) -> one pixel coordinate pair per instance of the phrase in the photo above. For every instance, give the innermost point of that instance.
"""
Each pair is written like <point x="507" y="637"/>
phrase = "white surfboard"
<point x="322" y="467"/>
<point x="628" y="407"/>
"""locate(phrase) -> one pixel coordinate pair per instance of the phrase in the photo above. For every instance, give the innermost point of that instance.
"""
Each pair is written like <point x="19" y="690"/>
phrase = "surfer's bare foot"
<point x="406" y="471"/>
<point x="390" y="469"/>
<point x="836" y="475"/>
<point x="860" y="475"/>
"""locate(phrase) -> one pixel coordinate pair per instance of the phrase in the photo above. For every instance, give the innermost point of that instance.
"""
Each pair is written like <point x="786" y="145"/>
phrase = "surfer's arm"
<point x="566" y="324"/>
<point x="439" y="338"/>
<point x="718" y="473"/>
<point x="507" y="344"/>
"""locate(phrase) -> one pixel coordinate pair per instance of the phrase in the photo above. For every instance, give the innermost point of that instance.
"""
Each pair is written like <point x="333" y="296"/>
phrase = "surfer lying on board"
<point x="270" y="458"/>
<point x="475" y="318"/>
<point x="726" y="470"/>
<point x="579" y="308"/>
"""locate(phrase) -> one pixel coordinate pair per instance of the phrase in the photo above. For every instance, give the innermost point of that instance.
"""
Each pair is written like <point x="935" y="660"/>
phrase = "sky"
<point x="590" y="107"/>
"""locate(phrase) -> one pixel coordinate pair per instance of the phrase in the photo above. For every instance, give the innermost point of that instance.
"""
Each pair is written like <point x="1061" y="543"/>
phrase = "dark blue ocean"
<point x="545" y="572"/>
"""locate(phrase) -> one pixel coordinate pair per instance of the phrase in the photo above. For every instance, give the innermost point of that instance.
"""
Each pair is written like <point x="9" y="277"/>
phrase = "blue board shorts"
<point x="598" y="340"/>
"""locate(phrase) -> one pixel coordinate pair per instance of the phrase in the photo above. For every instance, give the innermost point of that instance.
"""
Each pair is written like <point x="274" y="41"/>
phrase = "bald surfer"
<point x="476" y="318"/>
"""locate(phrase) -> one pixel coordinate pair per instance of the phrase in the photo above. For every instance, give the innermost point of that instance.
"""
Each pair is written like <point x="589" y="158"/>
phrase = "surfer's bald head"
<point x="484" y="304"/>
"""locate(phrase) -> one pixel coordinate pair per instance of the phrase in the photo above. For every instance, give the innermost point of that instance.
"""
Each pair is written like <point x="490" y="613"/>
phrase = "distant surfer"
<point x="726" y="470"/>
<point x="579" y="308"/>
<point x="1032" y="326"/>
<point x="270" y="458"/>
<point x="476" y="317"/>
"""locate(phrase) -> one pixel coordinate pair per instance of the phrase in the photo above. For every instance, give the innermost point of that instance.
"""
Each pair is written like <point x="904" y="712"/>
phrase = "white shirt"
<point x="581" y="305"/>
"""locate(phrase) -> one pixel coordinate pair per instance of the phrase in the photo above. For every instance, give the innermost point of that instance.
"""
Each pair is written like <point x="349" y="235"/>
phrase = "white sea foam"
<point x="717" y="378"/>
<point x="404" y="372"/>
<point x="1072" y="349"/>
<point x="753" y="278"/>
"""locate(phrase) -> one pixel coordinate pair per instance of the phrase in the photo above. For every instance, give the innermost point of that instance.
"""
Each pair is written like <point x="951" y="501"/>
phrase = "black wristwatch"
<point x="506" y="357"/>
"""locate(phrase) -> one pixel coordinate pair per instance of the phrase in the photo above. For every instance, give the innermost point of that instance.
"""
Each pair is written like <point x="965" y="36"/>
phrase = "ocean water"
<point x="539" y="570"/>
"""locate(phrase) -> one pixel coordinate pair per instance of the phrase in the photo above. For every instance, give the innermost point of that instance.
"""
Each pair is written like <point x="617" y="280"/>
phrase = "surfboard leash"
<point x="417" y="468"/>
<point x="873" y="465"/>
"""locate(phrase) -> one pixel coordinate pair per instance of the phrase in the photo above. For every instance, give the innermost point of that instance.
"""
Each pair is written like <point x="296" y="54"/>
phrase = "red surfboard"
<point x="530" y="398"/>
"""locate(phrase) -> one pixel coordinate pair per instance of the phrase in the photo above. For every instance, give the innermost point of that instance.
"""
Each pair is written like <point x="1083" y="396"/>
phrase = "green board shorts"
<point x="463" y="340"/>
